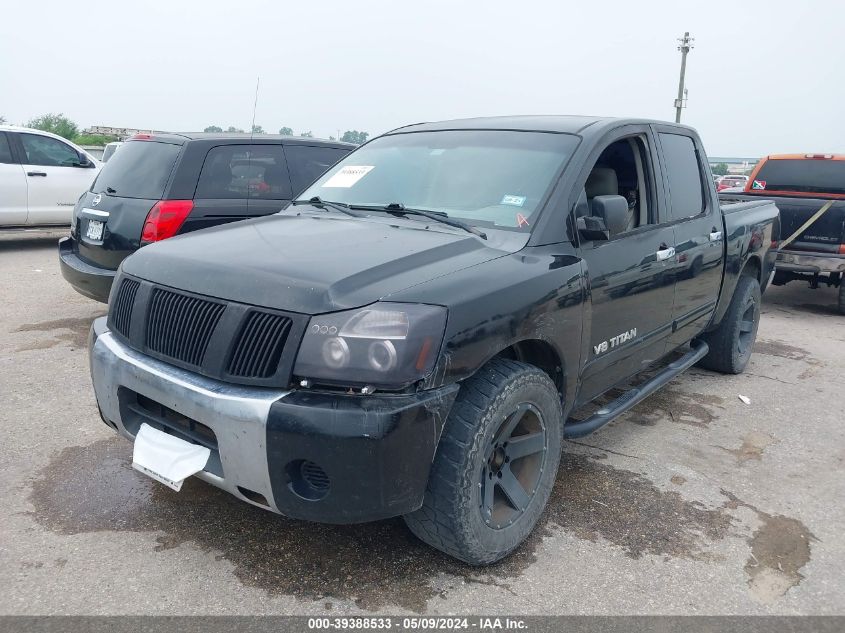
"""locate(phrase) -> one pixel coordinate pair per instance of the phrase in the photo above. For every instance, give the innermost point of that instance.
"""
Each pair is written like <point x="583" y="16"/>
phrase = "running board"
<point x="580" y="428"/>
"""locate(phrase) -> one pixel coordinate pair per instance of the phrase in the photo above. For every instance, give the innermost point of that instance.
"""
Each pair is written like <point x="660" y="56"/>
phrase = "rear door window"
<point x="805" y="176"/>
<point x="46" y="151"/>
<point x="307" y="163"/>
<point x="140" y="169"/>
<point x="5" y="150"/>
<point x="244" y="171"/>
<point x="684" y="175"/>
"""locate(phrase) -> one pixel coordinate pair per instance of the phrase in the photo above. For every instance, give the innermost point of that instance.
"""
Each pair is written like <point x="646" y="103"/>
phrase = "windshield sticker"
<point x="521" y="220"/>
<point x="758" y="184"/>
<point x="514" y="201"/>
<point x="348" y="176"/>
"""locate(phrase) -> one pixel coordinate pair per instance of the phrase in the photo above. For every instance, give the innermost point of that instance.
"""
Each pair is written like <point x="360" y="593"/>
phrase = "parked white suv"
<point x="41" y="177"/>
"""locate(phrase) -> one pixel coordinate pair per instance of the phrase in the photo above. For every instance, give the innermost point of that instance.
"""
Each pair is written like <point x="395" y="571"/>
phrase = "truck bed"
<point x="825" y="235"/>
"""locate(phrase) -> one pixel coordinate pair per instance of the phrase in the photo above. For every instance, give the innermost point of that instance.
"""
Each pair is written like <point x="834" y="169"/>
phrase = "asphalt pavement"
<point x="693" y="503"/>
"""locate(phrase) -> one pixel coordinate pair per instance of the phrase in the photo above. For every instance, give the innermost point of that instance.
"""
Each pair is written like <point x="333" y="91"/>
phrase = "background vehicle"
<point x="110" y="149"/>
<point x="41" y="177"/>
<point x="725" y="182"/>
<point x="158" y="186"/>
<point x="809" y="190"/>
<point x="505" y="272"/>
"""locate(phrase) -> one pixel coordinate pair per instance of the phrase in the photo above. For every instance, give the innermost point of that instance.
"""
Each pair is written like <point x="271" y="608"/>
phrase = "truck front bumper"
<point x="813" y="263"/>
<point x="326" y="457"/>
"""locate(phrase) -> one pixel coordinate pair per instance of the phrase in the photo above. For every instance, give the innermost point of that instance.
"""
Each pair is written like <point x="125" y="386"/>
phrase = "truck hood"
<point x="308" y="263"/>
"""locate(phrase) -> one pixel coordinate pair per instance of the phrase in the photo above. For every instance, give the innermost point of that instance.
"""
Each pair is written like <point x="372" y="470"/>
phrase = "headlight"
<point x="384" y="345"/>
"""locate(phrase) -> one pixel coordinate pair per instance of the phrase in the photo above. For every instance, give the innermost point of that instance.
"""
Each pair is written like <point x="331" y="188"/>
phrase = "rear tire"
<point x="495" y="465"/>
<point x="732" y="342"/>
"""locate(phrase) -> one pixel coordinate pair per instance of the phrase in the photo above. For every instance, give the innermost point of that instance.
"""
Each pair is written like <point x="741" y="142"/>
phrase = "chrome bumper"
<point x="801" y="262"/>
<point x="237" y="415"/>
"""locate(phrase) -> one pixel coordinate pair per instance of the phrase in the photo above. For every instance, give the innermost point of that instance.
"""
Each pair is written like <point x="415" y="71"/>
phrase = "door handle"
<point x="665" y="253"/>
<point x="715" y="235"/>
<point x="37" y="173"/>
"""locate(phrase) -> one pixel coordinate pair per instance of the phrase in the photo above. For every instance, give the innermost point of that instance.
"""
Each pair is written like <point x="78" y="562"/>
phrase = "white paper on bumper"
<point x="166" y="458"/>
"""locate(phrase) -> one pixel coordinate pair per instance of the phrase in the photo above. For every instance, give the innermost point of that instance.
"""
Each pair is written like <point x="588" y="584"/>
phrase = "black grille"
<point x="122" y="310"/>
<point x="224" y="340"/>
<point x="259" y="346"/>
<point x="180" y="326"/>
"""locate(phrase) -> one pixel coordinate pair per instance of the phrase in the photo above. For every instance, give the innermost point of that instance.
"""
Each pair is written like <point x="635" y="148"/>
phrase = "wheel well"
<point x="540" y="354"/>
<point x="752" y="269"/>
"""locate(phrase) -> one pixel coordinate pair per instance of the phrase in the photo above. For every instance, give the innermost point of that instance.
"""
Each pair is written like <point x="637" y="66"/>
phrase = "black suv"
<point x="161" y="185"/>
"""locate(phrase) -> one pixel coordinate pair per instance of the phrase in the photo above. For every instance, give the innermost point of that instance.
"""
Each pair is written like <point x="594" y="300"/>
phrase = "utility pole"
<point x="685" y="47"/>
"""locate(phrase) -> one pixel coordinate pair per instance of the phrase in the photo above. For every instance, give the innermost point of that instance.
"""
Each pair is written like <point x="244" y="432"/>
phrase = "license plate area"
<point x="94" y="230"/>
<point x="166" y="458"/>
<point x="137" y="409"/>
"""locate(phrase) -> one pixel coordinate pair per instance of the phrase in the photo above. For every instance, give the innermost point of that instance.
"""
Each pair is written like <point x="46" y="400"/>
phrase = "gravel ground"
<point x="694" y="502"/>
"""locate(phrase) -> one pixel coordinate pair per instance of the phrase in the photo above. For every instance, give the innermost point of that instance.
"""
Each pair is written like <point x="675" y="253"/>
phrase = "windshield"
<point x="483" y="177"/>
<point x="139" y="170"/>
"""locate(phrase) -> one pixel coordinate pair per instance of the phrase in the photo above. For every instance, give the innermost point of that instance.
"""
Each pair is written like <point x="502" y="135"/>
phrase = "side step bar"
<point x="580" y="428"/>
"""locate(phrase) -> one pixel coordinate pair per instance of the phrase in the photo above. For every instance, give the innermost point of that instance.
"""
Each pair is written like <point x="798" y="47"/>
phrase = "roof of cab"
<point x="234" y="137"/>
<point x="562" y="124"/>
<point x="817" y="156"/>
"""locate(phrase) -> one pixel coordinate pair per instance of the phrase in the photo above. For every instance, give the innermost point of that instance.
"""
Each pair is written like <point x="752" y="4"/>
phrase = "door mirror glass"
<point x="613" y="210"/>
<point x="83" y="161"/>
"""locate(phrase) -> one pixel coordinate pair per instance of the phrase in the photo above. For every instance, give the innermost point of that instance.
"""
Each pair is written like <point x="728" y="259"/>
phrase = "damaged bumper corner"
<point x="319" y="456"/>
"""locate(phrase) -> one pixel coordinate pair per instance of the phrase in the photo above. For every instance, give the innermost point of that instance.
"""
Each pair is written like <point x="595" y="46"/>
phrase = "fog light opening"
<point x="307" y="480"/>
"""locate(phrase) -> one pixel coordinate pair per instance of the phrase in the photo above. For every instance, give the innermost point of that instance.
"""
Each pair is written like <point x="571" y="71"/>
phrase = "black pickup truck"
<point x="809" y="191"/>
<point x="410" y="337"/>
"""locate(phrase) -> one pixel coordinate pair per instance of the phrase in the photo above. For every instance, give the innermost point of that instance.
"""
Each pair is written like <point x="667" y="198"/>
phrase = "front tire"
<point x="495" y="465"/>
<point x="731" y="343"/>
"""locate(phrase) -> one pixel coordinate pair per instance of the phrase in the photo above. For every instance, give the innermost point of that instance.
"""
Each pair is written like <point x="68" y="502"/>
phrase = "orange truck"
<point x="809" y="190"/>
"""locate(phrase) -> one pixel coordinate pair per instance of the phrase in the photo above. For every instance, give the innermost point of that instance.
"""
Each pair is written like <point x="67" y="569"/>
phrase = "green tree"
<point x="94" y="139"/>
<point x="354" y="136"/>
<point x="308" y="134"/>
<point x="213" y="128"/>
<point x="286" y="131"/>
<point x="257" y="129"/>
<point x="55" y="123"/>
<point x="720" y="169"/>
<point x="233" y="129"/>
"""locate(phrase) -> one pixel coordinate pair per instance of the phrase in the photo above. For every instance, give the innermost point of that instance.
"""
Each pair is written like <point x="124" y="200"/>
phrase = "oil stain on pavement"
<point x="93" y="488"/>
<point x="597" y="501"/>
<point x="780" y="547"/>
<point x="72" y="331"/>
<point x="753" y="445"/>
<point x="692" y="409"/>
<point x="779" y="349"/>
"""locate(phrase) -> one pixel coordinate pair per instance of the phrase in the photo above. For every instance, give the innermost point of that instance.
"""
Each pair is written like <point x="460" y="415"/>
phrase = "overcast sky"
<point x="764" y="77"/>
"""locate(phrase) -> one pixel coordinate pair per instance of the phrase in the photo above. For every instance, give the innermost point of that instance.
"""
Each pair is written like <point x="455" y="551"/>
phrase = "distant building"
<point x="121" y="132"/>
<point x="736" y="165"/>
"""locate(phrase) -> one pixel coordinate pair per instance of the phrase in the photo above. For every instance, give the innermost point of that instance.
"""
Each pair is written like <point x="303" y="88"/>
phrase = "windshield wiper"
<point x="397" y="208"/>
<point x="318" y="202"/>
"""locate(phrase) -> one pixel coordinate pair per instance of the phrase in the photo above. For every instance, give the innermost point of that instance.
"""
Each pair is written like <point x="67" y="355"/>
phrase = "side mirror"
<point x="613" y="210"/>
<point x="83" y="162"/>
<point x="592" y="228"/>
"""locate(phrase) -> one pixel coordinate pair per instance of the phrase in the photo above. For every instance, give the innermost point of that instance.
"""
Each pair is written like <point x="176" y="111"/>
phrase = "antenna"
<point x="251" y="138"/>
<point x="254" y="107"/>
